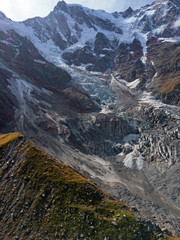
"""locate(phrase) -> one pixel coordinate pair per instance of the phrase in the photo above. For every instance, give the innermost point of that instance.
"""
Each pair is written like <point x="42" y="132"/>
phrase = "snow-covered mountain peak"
<point x="64" y="7"/>
<point x="76" y="35"/>
<point x="90" y="38"/>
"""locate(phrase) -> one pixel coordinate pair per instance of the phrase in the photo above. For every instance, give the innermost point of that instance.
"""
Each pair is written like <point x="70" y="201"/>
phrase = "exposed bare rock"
<point x="128" y="61"/>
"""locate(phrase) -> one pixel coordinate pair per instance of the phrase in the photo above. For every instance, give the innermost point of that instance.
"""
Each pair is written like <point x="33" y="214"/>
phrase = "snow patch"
<point x="134" y="158"/>
<point x="160" y="29"/>
<point x="121" y="154"/>
<point x="175" y="39"/>
<point x="143" y="59"/>
<point x="128" y="161"/>
<point x="150" y="12"/>
<point x="102" y="55"/>
<point x="133" y="84"/>
<point x="5" y="42"/>
<point x="105" y="110"/>
<point x="39" y="61"/>
<point x="152" y="63"/>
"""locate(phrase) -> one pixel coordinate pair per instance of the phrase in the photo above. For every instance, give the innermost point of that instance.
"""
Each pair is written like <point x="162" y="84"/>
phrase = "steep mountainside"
<point x="100" y="91"/>
<point x="41" y="198"/>
<point x="102" y="42"/>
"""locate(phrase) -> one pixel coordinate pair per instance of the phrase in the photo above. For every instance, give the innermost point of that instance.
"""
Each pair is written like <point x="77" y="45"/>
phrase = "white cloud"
<point x="23" y="9"/>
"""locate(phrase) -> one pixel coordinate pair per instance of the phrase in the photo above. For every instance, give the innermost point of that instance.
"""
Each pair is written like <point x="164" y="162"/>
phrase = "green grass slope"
<point x="41" y="198"/>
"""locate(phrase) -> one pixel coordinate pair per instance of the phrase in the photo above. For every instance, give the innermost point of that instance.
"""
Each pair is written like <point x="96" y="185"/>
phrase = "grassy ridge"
<point x="42" y="198"/>
<point x="9" y="138"/>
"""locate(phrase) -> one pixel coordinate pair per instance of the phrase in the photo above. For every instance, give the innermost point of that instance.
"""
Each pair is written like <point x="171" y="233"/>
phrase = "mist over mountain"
<point x="100" y="92"/>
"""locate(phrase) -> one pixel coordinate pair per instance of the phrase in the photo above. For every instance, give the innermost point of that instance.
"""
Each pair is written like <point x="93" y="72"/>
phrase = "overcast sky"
<point x="23" y="9"/>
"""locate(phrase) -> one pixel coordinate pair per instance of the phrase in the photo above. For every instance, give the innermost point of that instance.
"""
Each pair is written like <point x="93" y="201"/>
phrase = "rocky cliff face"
<point x="165" y="74"/>
<point x="128" y="61"/>
<point x="100" y="92"/>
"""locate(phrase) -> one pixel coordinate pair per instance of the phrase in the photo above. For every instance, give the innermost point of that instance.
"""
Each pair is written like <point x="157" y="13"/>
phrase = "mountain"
<point x="41" y="198"/>
<point x="103" y="41"/>
<point x="100" y="91"/>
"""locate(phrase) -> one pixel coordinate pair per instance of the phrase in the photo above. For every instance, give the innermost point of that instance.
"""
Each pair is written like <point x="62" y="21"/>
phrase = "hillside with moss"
<point x="41" y="198"/>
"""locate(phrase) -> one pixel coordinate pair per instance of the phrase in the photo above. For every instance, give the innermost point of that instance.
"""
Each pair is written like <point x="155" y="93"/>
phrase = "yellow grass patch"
<point x="169" y="84"/>
<point x="8" y="138"/>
